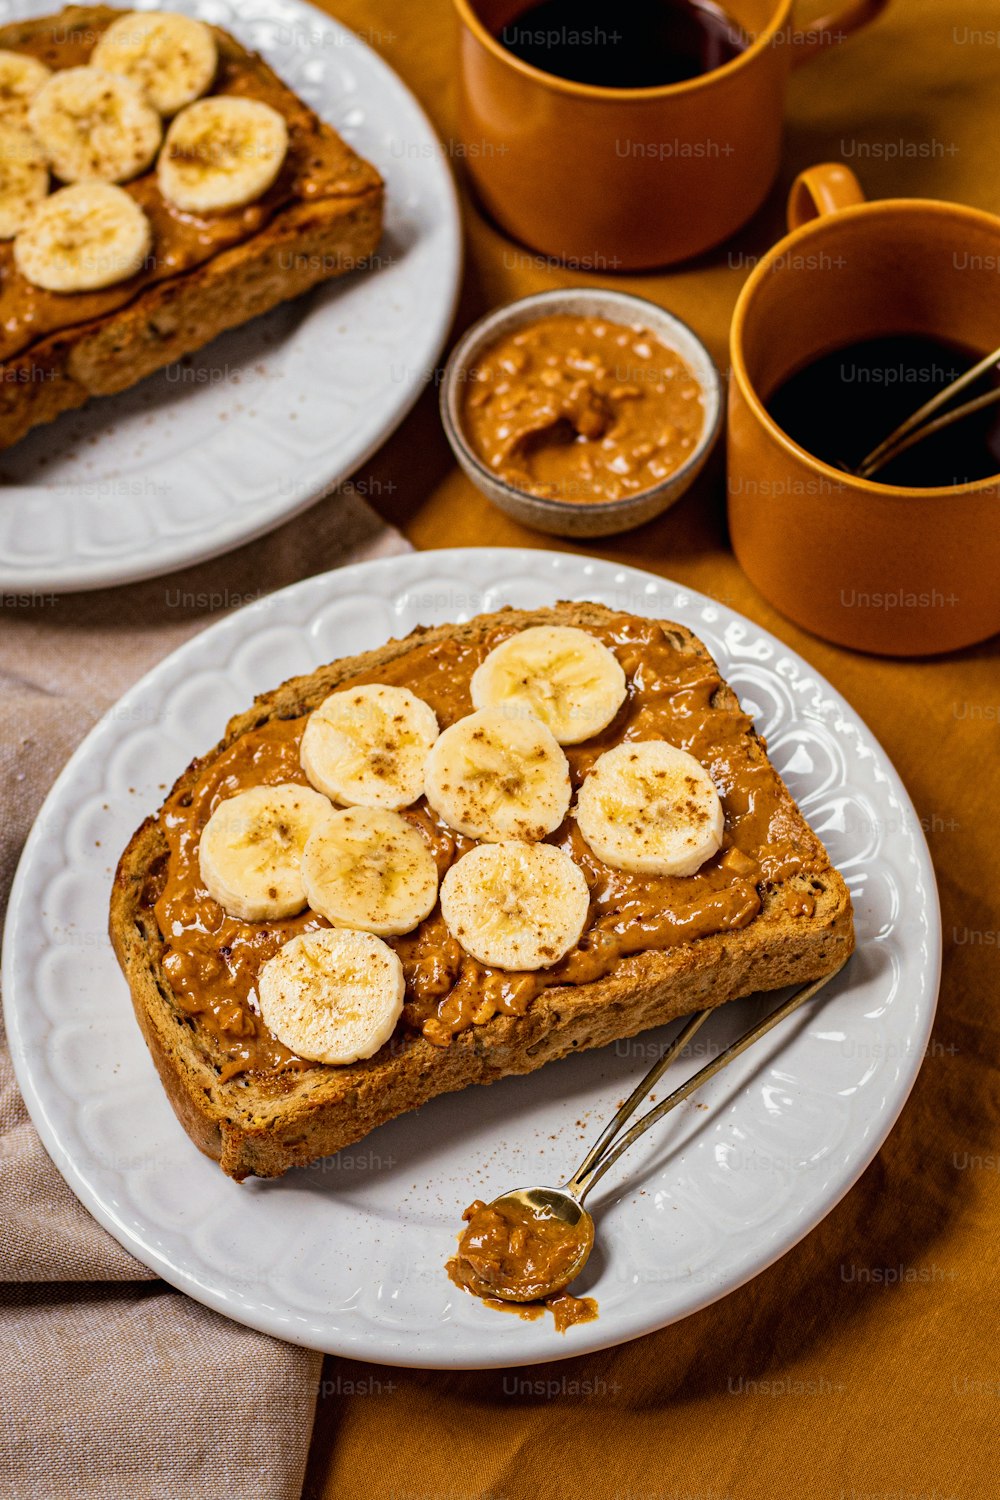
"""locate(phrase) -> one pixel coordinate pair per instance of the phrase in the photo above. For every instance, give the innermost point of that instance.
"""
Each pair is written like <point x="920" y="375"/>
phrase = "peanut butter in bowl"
<point x="581" y="413"/>
<point x="582" y="409"/>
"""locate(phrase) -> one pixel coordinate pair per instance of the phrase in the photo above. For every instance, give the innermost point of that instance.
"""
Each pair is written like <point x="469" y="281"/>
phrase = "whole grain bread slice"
<point x="305" y="241"/>
<point x="265" y="1124"/>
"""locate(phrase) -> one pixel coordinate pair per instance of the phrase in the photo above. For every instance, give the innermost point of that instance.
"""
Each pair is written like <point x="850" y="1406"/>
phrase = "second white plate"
<point x="348" y="1255"/>
<point x="224" y="446"/>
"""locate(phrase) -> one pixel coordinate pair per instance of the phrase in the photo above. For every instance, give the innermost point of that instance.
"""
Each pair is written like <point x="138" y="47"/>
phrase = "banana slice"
<point x="561" y="675"/>
<point x="332" y="996"/>
<point x="24" y="179"/>
<point x="495" y="776"/>
<point x="650" y="808"/>
<point x="251" y="850"/>
<point x="21" y="76"/>
<point x="221" y="153"/>
<point x="94" y="124"/>
<point x="366" y="746"/>
<point x="514" y="905"/>
<point x="82" y="238"/>
<point x="369" y="868"/>
<point x="172" y="58"/>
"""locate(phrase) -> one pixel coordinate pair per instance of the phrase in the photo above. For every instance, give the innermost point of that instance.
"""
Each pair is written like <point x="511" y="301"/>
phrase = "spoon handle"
<point x="900" y="445"/>
<point x="607" y="1149"/>
<point x="638" y="1094"/>
<point x="879" y="455"/>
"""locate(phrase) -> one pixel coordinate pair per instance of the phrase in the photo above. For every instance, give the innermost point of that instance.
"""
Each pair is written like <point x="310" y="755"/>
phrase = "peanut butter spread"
<point x="509" y="1245"/>
<point x="318" y="165"/>
<point x="213" y="960"/>
<point x="582" y="409"/>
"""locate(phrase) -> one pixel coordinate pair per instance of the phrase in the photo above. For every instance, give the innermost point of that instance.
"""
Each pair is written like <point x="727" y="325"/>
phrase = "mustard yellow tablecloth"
<point x="816" y="1380"/>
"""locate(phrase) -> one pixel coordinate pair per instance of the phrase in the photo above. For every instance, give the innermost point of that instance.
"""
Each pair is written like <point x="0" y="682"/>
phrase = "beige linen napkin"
<point x="112" y="1384"/>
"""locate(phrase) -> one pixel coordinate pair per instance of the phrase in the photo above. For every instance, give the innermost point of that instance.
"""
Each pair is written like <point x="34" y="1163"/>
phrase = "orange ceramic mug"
<point x="620" y="179"/>
<point x="903" y="572"/>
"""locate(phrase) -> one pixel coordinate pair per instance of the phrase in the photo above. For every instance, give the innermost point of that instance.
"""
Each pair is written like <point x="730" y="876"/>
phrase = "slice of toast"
<point x="769" y="910"/>
<point x="321" y="218"/>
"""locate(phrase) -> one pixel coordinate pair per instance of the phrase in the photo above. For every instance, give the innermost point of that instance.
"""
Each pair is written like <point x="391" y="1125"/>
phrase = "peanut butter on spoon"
<point x="524" y="1249"/>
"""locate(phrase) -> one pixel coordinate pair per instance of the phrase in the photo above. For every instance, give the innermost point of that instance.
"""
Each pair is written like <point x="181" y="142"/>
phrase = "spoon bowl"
<point x="526" y="1245"/>
<point x="543" y="1205"/>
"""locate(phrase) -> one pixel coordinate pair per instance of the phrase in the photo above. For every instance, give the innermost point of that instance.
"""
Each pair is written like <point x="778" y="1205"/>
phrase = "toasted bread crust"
<point x="263" y="1126"/>
<point x="304" y="243"/>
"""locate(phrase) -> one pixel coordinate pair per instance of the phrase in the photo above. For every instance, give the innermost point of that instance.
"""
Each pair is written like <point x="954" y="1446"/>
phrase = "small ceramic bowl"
<point x="577" y="518"/>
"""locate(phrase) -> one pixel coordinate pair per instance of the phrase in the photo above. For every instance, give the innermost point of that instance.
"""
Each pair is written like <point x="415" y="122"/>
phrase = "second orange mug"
<point x="877" y="567"/>
<point x="624" y="179"/>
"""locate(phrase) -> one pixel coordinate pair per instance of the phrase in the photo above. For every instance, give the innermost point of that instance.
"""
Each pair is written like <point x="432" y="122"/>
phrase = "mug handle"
<point x="822" y="190"/>
<point x="834" y="28"/>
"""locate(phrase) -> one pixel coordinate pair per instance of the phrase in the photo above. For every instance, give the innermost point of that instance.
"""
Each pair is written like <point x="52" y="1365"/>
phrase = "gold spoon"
<point x="907" y="434"/>
<point x="557" y="1216"/>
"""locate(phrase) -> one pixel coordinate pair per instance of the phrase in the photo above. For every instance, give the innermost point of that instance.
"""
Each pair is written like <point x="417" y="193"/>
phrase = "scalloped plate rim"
<point x="357" y="1345"/>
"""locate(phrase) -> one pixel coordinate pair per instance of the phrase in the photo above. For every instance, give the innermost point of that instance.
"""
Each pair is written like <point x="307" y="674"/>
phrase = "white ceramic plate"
<point x="224" y="446"/>
<point x="348" y="1255"/>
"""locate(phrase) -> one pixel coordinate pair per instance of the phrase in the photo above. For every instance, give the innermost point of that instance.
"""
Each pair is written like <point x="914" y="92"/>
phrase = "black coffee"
<point x="845" y="404"/>
<point x="631" y="44"/>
